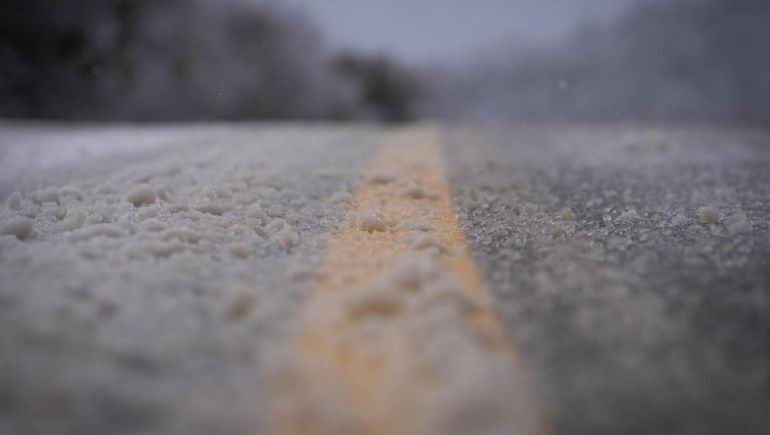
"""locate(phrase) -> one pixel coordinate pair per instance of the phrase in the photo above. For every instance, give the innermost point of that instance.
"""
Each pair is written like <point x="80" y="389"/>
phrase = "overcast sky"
<point x="440" y="29"/>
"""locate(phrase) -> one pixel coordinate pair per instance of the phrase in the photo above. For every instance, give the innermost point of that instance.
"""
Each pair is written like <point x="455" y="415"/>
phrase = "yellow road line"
<point x="400" y="336"/>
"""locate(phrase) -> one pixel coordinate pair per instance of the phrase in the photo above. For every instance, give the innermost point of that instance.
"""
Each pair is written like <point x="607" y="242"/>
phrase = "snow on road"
<point x="632" y="266"/>
<point x="401" y="336"/>
<point x="146" y="273"/>
<point x="143" y="298"/>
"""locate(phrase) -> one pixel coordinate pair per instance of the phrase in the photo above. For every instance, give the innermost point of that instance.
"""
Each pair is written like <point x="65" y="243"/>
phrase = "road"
<point x="231" y="278"/>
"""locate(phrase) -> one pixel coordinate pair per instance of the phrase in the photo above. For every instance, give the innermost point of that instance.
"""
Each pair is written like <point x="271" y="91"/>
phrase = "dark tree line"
<point x="387" y="91"/>
<point x="180" y="60"/>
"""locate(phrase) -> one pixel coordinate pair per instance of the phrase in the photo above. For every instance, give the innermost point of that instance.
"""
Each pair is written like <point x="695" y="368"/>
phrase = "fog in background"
<point x="682" y="60"/>
<point x="419" y="31"/>
<point x="389" y="60"/>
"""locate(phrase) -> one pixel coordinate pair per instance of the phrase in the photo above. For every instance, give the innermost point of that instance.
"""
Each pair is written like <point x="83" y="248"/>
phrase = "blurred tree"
<point x="163" y="60"/>
<point x="387" y="91"/>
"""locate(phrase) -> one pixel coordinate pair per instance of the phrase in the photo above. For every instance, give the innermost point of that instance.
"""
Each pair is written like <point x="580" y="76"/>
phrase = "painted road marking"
<point x="400" y="336"/>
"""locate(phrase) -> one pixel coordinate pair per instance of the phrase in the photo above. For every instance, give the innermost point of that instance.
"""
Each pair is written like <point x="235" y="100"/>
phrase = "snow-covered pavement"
<point x="140" y="300"/>
<point x="151" y="277"/>
<point x="632" y="267"/>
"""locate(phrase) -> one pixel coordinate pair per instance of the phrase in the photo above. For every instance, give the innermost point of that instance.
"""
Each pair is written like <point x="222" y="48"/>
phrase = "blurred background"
<point x="386" y="60"/>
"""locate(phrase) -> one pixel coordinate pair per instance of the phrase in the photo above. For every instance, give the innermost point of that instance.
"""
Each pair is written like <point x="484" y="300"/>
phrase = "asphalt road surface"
<point x="186" y="279"/>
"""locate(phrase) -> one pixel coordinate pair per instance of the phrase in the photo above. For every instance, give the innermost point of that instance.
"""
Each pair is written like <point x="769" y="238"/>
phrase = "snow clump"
<point x="73" y="221"/>
<point x="22" y="228"/>
<point x="14" y="201"/>
<point x="381" y="178"/>
<point x="418" y="191"/>
<point x="709" y="215"/>
<point x="141" y="195"/>
<point x="371" y="222"/>
<point x="737" y="223"/>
